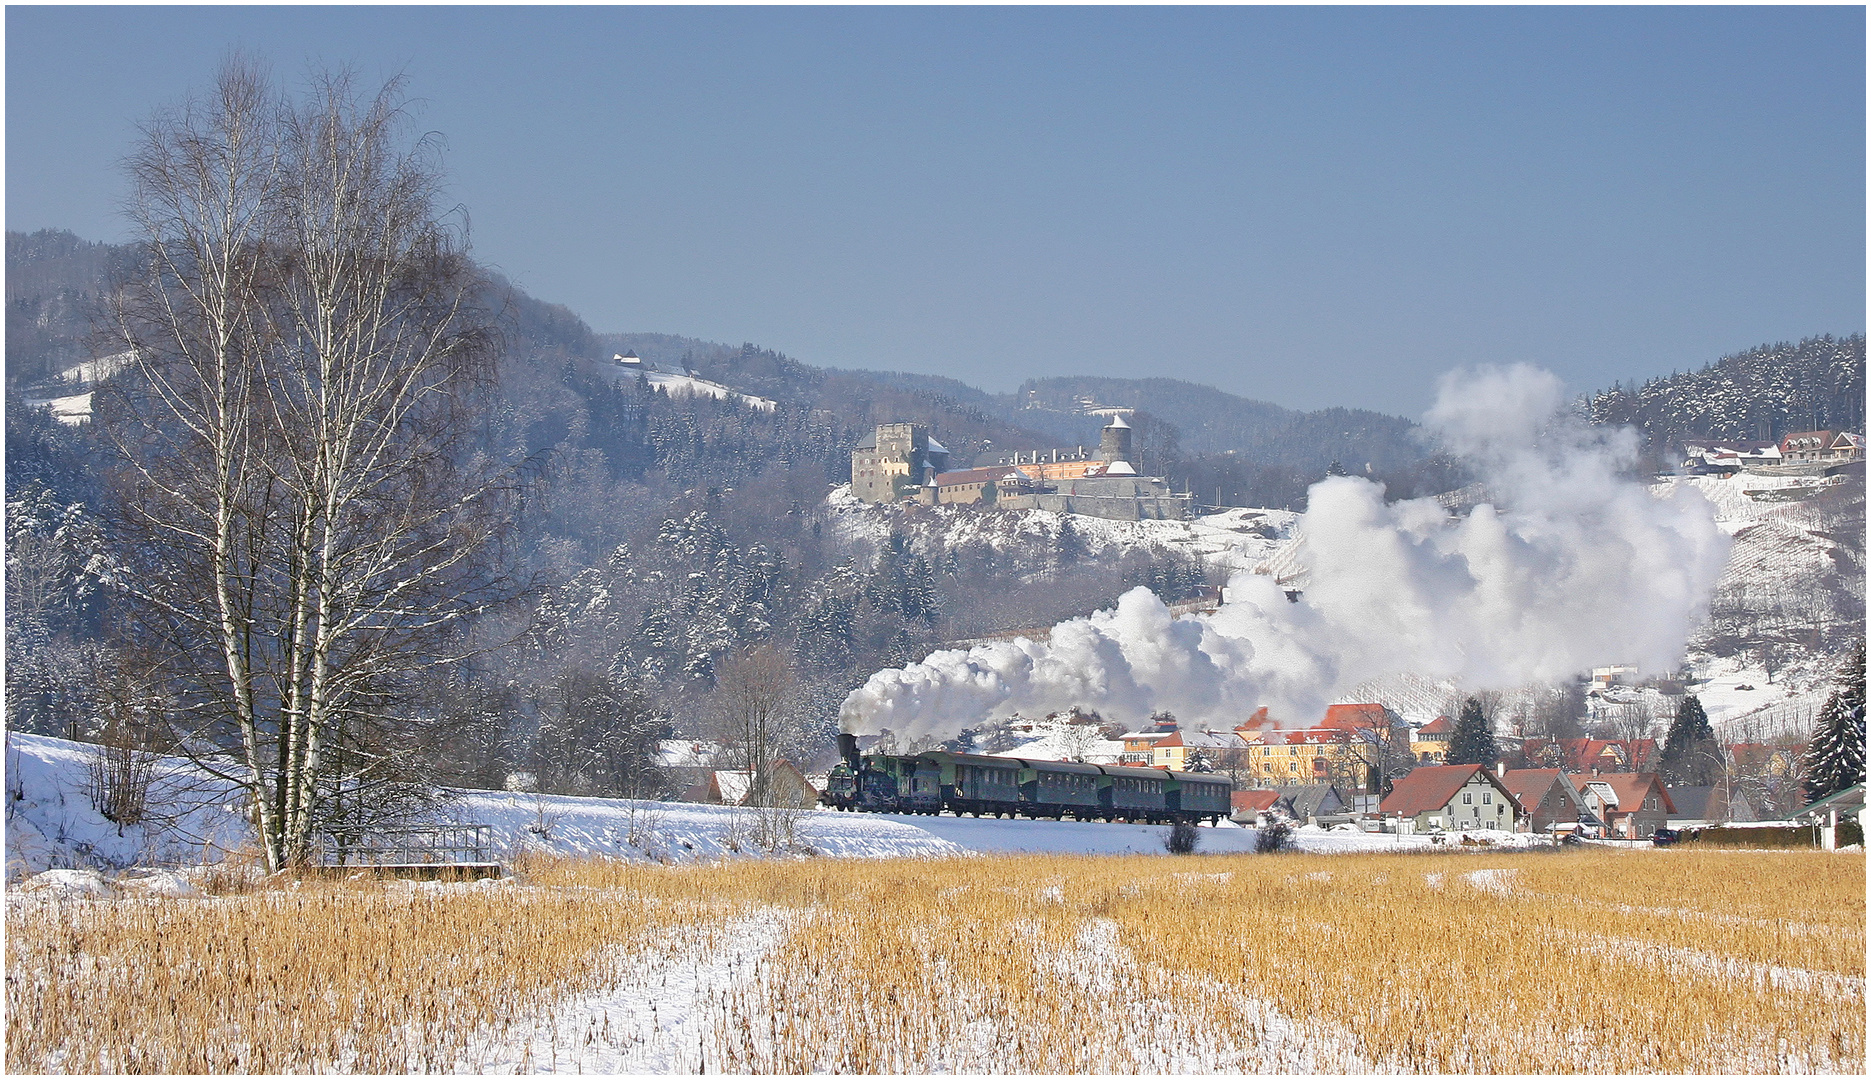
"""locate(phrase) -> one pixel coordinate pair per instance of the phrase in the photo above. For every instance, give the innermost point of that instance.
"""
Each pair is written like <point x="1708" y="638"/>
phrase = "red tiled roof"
<point x="1529" y="786"/>
<point x="1628" y="788"/>
<point x="1254" y="800"/>
<point x="1353" y="717"/>
<point x="1441" y="725"/>
<point x="1260" y="721"/>
<point x="1580" y="755"/>
<point x="1428" y="788"/>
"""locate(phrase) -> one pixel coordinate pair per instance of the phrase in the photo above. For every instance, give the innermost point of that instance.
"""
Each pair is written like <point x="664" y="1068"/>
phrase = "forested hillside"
<point x="1762" y="394"/>
<point x="660" y="538"/>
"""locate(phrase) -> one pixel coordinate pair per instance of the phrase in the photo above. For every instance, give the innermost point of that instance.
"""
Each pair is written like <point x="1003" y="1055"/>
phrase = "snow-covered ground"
<point x="677" y="384"/>
<point x="1237" y="539"/>
<point x="51" y="824"/>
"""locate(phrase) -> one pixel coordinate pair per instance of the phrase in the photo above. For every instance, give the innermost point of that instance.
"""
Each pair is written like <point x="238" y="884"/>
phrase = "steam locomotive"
<point x="1020" y="787"/>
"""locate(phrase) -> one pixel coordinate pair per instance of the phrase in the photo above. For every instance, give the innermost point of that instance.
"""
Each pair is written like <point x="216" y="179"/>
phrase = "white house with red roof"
<point x="1451" y="797"/>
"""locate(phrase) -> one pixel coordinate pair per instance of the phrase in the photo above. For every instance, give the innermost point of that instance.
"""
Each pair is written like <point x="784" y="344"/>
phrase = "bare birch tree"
<point x="310" y="515"/>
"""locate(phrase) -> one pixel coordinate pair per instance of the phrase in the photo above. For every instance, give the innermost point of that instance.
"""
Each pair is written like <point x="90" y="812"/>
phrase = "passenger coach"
<point x="1026" y="787"/>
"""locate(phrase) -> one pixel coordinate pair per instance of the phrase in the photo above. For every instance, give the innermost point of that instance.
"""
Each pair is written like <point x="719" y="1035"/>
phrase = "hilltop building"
<point x="898" y="461"/>
<point x="901" y="462"/>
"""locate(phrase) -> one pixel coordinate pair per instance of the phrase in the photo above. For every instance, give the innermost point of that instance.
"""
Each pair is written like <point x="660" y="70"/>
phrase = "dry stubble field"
<point x="1593" y="961"/>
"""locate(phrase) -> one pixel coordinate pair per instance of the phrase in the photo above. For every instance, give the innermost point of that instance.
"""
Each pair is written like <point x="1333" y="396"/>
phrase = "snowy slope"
<point x="1237" y="539"/>
<point x="691" y="386"/>
<point x="1795" y="583"/>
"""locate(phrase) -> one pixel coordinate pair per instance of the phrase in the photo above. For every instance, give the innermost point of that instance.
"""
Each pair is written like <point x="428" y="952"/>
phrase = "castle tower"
<point x="1114" y="441"/>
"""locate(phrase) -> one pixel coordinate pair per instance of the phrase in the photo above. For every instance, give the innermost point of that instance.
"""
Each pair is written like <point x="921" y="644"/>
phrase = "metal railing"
<point x="409" y="845"/>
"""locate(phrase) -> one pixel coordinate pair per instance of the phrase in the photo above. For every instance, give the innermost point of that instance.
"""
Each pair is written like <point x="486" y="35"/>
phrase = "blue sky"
<point x="1314" y="207"/>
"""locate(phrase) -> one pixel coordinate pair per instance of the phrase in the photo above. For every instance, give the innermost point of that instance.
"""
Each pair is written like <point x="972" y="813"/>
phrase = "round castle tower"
<point x="1114" y="441"/>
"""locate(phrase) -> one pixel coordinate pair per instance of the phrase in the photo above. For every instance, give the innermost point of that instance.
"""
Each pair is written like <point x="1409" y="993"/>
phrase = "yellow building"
<point x="1312" y="756"/>
<point x="1429" y="744"/>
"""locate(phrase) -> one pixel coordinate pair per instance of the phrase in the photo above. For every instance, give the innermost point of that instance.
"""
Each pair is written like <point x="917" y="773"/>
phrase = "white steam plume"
<point x="1583" y="567"/>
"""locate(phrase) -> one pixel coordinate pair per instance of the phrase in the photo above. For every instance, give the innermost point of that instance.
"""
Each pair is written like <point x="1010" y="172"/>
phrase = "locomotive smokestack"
<point x="848" y="749"/>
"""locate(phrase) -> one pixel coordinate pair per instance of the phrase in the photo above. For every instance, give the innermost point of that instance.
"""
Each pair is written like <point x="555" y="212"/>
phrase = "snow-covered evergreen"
<point x="1836" y="758"/>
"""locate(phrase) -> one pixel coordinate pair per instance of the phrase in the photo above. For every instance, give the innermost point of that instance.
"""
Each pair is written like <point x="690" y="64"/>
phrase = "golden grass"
<point x="1591" y="961"/>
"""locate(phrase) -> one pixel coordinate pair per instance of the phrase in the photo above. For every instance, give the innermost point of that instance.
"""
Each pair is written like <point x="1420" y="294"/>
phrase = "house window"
<point x="1487" y="797"/>
<point x="1467" y="797"/>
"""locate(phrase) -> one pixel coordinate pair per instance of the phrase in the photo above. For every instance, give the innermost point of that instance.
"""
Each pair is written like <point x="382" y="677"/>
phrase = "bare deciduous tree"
<point x="309" y="519"/>
<point x="756" y="705"/>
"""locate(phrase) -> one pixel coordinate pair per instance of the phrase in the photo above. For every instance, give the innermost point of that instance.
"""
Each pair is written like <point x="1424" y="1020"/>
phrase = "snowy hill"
<point x="1788" y="606"/>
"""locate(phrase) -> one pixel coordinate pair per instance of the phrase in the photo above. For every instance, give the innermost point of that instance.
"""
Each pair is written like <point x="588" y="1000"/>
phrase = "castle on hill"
<point x="902" y="463"/>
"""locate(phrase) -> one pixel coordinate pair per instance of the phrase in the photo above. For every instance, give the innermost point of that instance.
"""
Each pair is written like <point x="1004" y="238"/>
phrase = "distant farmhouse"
<point x="1803" y="453"/>
<point x="902" y="463"/>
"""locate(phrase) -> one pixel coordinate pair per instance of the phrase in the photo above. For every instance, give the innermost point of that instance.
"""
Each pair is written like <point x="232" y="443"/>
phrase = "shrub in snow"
<point x="1274" y="836"/>
<point x="1182" y="838"/>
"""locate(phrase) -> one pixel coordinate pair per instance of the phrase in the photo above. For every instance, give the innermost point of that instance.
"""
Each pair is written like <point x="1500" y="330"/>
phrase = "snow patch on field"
<point x="659" y="1016"/>
<point x="1695" y="964"/>
<point x="1498" y="882"/>
<point x="1156" y="1000"/>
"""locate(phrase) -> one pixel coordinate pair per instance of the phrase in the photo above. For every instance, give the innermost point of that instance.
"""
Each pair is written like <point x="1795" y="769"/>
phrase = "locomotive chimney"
<point x="848" y="749"/>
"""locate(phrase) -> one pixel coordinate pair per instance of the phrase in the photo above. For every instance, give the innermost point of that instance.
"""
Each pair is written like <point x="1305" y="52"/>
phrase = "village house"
<point x="1340" y="750"/>
<point x="1586" y="755"/>
<point x="1700" y="805"/>
<point x="1633" y="805"/>
<point x="1807" y="446"/>
<point x="1429" y="744"/>
<point x="1217" y="751"/>
<point x="788" y="786"/>
<point x="1257" y="807"/>
<point x="1545" y="796"/>
<point x="1450" y="797"/>
<point x="1310" y="802"/>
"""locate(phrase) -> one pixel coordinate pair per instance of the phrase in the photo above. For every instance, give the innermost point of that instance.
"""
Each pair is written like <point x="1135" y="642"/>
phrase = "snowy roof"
<point x="936" y="447"/>
<point x="1119" y="468"/>
<point x="1117" y="421"/>
<point x="980" y="476"/>
<point x="734" y="784"/>
<point x="686" y="753"/>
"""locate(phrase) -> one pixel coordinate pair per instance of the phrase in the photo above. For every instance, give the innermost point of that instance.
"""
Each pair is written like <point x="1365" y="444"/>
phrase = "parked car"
<point x="1665" y="837"/>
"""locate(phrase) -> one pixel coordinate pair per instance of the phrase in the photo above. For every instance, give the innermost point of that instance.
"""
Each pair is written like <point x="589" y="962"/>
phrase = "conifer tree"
<point x="1836" y="758"/>
<point x="1690" y="750"/>
<point x="1473" y="741"/>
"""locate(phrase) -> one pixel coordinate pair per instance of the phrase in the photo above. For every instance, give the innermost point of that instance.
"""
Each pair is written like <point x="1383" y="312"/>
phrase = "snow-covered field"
<point x="51" y="824"/>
